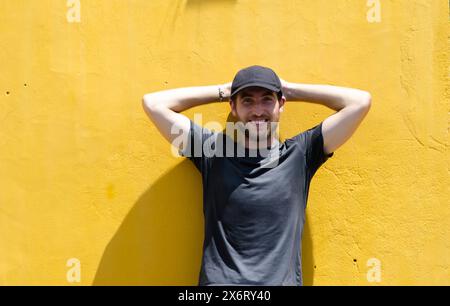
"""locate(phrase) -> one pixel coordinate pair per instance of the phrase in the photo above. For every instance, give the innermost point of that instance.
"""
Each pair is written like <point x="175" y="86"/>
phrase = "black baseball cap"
<point x="256" y="76"/>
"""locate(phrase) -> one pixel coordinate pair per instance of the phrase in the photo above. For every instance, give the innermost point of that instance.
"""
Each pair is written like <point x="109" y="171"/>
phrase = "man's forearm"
<point x="334" y="97"/>
<point x="181" y="99"/>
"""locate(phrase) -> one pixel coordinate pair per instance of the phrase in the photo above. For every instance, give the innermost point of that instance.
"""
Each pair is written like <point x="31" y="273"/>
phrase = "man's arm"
<point x="352" y="105"/>
<point x="164" y="107"/>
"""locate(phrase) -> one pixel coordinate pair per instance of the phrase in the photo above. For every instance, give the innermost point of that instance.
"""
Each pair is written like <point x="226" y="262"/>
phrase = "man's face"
<point x="258" y="109"/>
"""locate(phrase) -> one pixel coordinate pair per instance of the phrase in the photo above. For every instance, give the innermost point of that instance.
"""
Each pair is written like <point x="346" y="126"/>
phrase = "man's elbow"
<point x="366" y="101"/>
<point x="148" y="104"/>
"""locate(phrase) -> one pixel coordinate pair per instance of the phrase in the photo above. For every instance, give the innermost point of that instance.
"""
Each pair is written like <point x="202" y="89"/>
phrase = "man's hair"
<point x="234" y="98"/>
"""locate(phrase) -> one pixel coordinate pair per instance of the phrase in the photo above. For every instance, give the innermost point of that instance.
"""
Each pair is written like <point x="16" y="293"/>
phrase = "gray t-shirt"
<point x="254" y="213"/>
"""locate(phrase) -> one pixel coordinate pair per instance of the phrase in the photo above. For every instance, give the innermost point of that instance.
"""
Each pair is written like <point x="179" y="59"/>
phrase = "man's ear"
<point x="233" y="107"/>
<point x="282" y="102"/>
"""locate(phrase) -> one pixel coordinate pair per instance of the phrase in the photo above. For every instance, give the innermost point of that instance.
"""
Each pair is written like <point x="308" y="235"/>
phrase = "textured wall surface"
<point x="85" y="175"/>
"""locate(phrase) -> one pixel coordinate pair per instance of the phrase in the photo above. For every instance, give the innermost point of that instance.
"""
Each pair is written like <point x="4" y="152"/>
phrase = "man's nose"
<point x="257" y="110"/>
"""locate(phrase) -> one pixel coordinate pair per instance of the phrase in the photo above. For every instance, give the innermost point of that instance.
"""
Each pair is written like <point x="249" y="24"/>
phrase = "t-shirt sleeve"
<point x="193" y="150"/>
<point x="315" y="154"/>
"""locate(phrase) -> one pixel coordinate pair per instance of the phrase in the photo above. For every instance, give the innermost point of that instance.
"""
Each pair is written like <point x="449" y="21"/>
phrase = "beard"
<point x="259" y="133"/>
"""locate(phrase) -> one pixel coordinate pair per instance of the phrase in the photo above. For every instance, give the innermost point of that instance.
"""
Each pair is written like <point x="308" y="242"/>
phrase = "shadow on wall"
<point x="160" y="241"/>
<point x="308" y="265"/>
<point x="177" y="8"/>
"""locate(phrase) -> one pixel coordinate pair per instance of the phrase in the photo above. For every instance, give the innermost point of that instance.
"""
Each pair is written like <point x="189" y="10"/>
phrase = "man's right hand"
<point x="226" y="88"/>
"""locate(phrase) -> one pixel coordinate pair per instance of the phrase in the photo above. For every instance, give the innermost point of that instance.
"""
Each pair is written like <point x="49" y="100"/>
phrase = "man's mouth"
<point x="259" y="121"/>
<point x="259" y="124"/>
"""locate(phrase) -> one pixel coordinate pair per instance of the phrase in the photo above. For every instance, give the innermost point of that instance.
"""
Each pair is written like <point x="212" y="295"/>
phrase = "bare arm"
<point x="352" y="105"/>
<point x="164" y="107"/>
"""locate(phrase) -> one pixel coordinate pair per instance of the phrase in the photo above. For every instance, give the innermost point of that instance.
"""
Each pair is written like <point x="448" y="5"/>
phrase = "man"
<point x="254" y="213"/>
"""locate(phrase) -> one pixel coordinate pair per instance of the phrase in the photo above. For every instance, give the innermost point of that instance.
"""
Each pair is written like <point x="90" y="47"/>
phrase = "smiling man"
<point x="254" y="213"/>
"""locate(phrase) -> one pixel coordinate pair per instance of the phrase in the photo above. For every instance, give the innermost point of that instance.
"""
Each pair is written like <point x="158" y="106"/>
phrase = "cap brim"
<point x="267" y="86"/>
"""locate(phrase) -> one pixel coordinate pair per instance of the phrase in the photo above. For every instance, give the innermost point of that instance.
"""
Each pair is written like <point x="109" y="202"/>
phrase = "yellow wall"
<point x="84" y="174"/>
